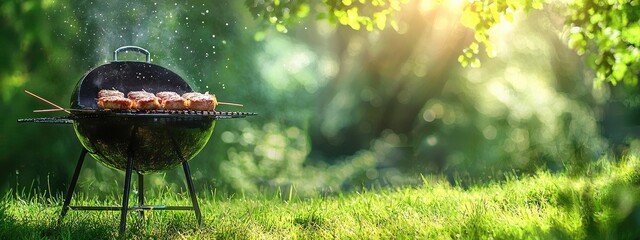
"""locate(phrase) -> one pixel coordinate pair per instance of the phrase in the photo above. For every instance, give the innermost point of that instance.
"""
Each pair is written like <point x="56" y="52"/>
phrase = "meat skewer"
<point x="60" y="110"/>
<point x="114" y="99"/>
<point x="46" y="101"/>
<point x="205" y="101"/>
<point x="230" y="104"/>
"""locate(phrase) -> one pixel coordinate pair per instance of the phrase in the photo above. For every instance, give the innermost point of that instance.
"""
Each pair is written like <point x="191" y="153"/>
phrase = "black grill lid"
<point x="126" y="76"/>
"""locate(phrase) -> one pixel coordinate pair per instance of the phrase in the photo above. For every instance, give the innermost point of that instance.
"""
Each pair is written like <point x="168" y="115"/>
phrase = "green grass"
<point x="605" y="204"/>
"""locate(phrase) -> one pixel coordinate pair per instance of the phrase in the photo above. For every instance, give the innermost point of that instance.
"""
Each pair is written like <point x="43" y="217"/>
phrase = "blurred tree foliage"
<point x="481" y="16"/>
<point x="607" y="30"/>
<point x="33" y="50"/>
<point x="609" y="33"/>
<point x="400" y="80"/>
<point x="372" y="14"/>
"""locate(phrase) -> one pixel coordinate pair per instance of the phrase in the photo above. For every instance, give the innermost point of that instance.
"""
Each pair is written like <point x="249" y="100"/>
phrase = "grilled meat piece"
<point x="115" y="103"/>
<point x="110" y="93"/>
<point x="144" y="100"/>
<point x="166" y="94"/>
<point x="134" y="95"/>
<point x="201" y="102"/>
<point x="191" y="95"/>
<point x="174" y="103"/>
<point x="215" y="100"/>
<point x="147" y="103"/>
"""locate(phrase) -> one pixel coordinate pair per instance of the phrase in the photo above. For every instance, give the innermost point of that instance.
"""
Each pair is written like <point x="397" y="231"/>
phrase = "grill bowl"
<point x="155" y="144"/>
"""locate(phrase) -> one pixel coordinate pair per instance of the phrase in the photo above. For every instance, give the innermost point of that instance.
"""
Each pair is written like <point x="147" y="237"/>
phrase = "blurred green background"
<point x="338" y="108"/>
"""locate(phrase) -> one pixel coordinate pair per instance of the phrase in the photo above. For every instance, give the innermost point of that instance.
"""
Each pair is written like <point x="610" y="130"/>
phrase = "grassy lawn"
<point x="605" y="205"/>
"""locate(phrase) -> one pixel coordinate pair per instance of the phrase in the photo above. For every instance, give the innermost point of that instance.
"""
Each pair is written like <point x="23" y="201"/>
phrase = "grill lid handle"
<point x="131" y="48"/>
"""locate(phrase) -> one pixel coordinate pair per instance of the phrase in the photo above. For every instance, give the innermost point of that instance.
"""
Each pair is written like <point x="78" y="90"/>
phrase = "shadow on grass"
<point x="93" y="225"/>
<point x="13" y="226"/>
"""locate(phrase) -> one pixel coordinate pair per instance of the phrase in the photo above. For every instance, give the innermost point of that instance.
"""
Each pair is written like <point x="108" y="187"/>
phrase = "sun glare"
<point x="453" y="3"/>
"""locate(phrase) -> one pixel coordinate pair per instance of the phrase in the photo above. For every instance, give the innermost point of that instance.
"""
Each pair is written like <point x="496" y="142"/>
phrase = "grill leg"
<point x="125" y="195"/>
<point x="192" y="192"/>
<point x="141" y="194"/>
<point x="72" y="186"/>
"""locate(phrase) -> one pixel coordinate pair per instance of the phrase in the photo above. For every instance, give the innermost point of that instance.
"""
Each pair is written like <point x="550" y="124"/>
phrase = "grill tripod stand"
<point x="124" y="209"/>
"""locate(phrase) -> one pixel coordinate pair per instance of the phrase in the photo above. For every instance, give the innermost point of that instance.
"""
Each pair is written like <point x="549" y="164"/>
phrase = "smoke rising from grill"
<point x="166" y="29"/>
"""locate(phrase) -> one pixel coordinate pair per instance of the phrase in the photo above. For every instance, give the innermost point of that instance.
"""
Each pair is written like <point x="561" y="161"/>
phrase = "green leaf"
<point x="470" y="19"/>
<point x="259" y="35"/>
<point x="394" y="24"/>
<point x="632" y="34"/>
<point x="577" y="42"/>
<point x="342" y="17"/>
<point x="475" y="63"/>
<point x="468" y="53"/>
<point x="303" y="10"/>
<point x="369" y="26"/>
<point x="463" y="61"/>
<point x="595" y="18"/>
<point x="321" y="16"/>
<point x="508" y="16"/>
<point x="537" y="4"/>
<point x="352" y="18"/>
<point x="480" y="36"/>
<point x="281" y="28"/>
<point x="474" y="47"/>
<point x="619" y="70"/>
<point x="381" y="21"/>
<point x="352" y="14"/>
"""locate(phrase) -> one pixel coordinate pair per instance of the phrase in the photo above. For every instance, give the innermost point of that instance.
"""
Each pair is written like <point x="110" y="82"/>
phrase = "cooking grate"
<point x="152" y="115"/>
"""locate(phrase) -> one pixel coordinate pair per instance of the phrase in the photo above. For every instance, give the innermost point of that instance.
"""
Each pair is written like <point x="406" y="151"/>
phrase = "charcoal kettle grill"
<point x="144" y="141"/>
